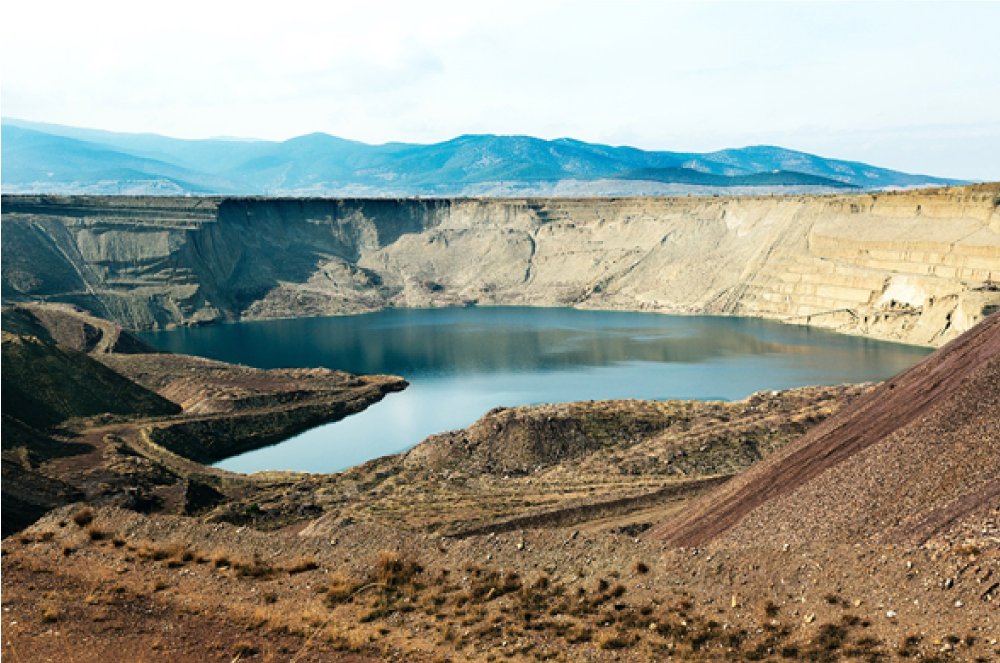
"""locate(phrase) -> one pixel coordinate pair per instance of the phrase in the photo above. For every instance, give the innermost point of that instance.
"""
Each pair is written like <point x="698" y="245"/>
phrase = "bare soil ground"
<point x="543" y="533"/>
<point x="909" y="460"/>
<point x="188" y="589"/>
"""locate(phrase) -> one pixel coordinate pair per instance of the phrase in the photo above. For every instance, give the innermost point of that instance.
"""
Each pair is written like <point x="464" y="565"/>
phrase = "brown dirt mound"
<point x="911" y="460"/>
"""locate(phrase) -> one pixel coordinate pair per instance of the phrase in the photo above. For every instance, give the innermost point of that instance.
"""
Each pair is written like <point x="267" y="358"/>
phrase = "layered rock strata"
<point x="918" y="266"/>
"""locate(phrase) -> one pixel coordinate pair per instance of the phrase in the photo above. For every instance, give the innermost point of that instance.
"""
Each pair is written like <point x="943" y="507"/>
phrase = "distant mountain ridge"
<point x="45" y="158"/>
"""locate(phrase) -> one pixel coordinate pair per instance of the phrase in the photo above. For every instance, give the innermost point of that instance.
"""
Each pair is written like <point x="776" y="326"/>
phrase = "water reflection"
<point x="462" y="362"/>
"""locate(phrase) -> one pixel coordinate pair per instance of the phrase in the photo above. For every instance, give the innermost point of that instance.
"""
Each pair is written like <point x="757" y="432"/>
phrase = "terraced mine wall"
<point x="918" y="266"/>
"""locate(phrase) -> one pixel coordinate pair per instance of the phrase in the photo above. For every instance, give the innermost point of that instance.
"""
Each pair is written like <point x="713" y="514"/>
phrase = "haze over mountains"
<point x="44" y="158"/>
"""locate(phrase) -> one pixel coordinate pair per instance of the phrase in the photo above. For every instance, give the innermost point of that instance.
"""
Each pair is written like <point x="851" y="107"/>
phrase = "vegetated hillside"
<point x="919" y="267"/>
<point x="689" y="175"/>
<point x="47" y="158"/>
<point x="52" y="163"/>
<point x="916" y="458"/>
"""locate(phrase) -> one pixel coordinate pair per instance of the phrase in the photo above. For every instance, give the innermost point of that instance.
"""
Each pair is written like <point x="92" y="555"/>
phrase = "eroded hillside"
<point x="919" y="267"/>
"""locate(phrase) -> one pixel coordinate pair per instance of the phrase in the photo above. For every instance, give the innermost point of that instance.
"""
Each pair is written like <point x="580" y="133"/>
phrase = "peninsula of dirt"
<point x="90" y="412"/>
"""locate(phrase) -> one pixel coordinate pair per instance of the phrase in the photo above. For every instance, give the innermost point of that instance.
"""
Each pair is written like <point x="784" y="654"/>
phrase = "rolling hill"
<point x="45" y="158"/>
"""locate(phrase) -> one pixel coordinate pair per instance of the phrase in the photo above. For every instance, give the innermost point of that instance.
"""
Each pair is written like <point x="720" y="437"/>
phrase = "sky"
<point x="909" y="86"/>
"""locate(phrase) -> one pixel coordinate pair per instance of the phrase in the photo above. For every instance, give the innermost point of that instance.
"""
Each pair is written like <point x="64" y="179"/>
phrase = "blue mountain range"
<point x="46" y="158"/>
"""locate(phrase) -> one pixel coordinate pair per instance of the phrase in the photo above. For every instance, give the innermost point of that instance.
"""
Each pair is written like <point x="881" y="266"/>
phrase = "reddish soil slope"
<point x="916" y="458"/>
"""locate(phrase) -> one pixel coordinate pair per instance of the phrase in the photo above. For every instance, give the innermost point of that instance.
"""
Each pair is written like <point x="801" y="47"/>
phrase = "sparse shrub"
<point x="51" y="614"/>
<point x="867" y="644"/>
<point x="261" y="616"/>
<point x="487" y="585"/>
<point x="850" y="620"/>
<point x="831" y="636"/>
<point x="244" y="649"/>
<point x="303" y="565"/>
<point x="95" y="533"/>
<point x="641" y="567"/>
<point x="534" y="595"/>
<point x="255" y="568"/>
<point x="394" y="570"/>
<point x="910" y="646"/>
<point x="735" y="638"/>
<point x="83" y="516"/>
<point x="615" y="640"/>
<point x="700" y="638"/>
<point x="157" y="552"/>
<point x="160" y="553"/>
<point x="341" y="588"/>
<point x="758" y="652"/>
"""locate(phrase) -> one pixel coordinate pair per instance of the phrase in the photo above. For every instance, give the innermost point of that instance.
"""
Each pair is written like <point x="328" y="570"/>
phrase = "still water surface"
<point x="461" y="362"/>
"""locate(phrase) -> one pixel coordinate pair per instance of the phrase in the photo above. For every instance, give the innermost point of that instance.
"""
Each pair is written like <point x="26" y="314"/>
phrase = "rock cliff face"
<point x="919" y="267"/>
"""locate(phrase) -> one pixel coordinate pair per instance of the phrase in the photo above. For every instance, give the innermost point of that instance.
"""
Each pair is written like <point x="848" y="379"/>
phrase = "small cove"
<point x="461" y="362"/>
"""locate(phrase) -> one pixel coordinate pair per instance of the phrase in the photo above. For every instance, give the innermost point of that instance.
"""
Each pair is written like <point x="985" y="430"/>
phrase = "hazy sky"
<point x="912" y="86"/>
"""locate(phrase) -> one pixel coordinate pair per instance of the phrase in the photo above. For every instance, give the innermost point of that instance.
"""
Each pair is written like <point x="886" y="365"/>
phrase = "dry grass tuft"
<point x="255" y="568"/>
<point x="220" y="560"/>
<point x="94" y="533"/>
<point x="302" y="565"/>
<point x="244" y="649"/>
<point x="395" y="570"/>
<point x="83" y="516"/>
<point x="615" y="640"/>
<point x="340" y="588"/>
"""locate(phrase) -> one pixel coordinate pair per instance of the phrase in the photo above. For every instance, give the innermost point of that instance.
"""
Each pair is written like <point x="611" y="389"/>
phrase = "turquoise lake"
<point x="461" y="362"/>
